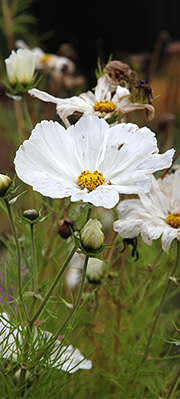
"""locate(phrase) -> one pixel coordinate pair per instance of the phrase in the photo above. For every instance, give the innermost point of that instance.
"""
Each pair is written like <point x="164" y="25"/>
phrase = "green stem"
<point x="26" y="112"/>
<point x="70" y="315"/>
<point x="76" y="305"/>
<point x="18" y="249"/>
<point x="161" y="305"/>
<point x="53" y="286"/>
<point x="34" y="260"/>
<point x="173" y="384"/>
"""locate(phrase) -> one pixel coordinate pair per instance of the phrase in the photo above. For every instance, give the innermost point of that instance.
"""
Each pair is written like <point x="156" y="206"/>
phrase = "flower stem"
<point x="26" y="112"/>
<point x="53" y="286"/>
<point x="161" y="305"/>
<point x="18" y="252"/>
<point x="173" y="384"/>
<point x="34" y="260"/>
<point x="76" y="305"/>
<point x="70" y="315"/>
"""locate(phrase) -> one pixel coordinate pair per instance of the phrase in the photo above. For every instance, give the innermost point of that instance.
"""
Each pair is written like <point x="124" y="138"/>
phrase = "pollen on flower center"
<point x="104" y="106"/>
<point x="90" y="180"/>
<point x="174" y="220"/>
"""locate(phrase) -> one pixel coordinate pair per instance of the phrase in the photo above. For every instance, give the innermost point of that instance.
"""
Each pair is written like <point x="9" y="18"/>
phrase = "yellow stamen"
<point x="90" y="180"/>
<point x="174" y="220"/>
<point x="45" y="58"/>
<point x="105" y="106"/>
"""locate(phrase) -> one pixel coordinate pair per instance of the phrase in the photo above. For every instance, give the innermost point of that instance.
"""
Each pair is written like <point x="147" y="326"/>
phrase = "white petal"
<point x="89" y="137"/>
<point x="169" y="234"/>
<point x="107" y="198"/>
<point x="42" y="95"/>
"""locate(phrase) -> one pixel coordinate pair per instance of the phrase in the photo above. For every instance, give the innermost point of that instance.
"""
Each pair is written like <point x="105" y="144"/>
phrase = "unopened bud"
<point x="5" y="182"/>
<point x="65" y="227"/>
<point x="31" y="214"/>
<point x="92" y="238"/>
<point x="95" y="270"/>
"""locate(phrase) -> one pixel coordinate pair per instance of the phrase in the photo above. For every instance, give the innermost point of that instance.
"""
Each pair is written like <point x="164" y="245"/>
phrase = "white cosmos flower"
<point x="50" y="63"/>
<point x="65" y="358"/>
<point x="90" y="161"/>
<point x="20" y="66"/>
<point x="154" y="215"/>
<point x="102" y="102"/>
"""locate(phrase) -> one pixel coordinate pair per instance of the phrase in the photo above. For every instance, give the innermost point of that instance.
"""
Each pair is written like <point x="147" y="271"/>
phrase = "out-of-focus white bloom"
<point x="20" y="66"/>
<point x="103" y="102"/>
<point x="90" y="161"/>
<point x="50" y="63"/>
<point x="73" y="274"/>
<point x="154" y="215"/>
<point x="65" y="358"/>
<point x="95" y="270"/>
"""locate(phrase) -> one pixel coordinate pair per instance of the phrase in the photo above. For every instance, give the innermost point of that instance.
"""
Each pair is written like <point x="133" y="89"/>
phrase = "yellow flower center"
<point x="90" y="180"/>
<point x="174" y="220"/>
<point x="45" y="58"/>
<point x="104" y="106"/>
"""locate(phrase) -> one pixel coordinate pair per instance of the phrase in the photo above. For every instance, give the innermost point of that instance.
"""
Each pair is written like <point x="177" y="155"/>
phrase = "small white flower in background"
<point x="74" y="272"/>
<point x="65" y="358"/>
<point x="90" y="161"/>
<point x="20" y="66"/>
<point x="104" y="102"/>
<point x="153" y="215"/>
<point x="50" y="63"/>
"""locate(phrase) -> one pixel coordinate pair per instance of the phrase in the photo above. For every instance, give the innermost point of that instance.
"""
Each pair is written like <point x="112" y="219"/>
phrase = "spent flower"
<point x="90" y="161"/>
<point x="106" y="101"/>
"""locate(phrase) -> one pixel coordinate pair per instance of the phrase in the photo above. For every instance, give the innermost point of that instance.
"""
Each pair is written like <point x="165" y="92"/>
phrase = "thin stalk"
<point x="76" y="305"/>
<point x="53" y="286"/>
<point x="34" y="260"/>
<point x="70" y="315"/>
<point x="26" y="112"/>
<point x="173" y="384"/>
<point x="18" y="249"/>
<point x="161" y="305"/>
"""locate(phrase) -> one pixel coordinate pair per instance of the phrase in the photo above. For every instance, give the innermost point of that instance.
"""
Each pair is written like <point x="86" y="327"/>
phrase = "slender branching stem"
<point x="26" y="112"/>
<point x="18" y="249"/>
<point x="34" y="260"/>
<point x="160" y="306"/>
<point x="52" y="287"/>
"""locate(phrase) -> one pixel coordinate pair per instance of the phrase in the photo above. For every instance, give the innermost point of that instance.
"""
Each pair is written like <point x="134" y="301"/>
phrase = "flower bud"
<point x="20" y="66"/>
<point x="64" y="227"/>
<point x="92" y="238"/>
<point x="31" y="214"/>
<point x="95" y="270"/>
<point x="5" y="182"/>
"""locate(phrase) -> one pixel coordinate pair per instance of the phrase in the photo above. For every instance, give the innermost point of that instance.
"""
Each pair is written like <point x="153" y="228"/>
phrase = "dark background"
<point x="104" y="28"/>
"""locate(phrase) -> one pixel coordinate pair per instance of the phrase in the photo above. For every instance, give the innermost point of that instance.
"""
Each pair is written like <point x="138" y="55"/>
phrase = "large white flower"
<point x="153" y="215"/>
<point x="65" y="358"/>
<point x="90" y="161"/>
<point x="103" y="102"/>
<point x="20" y="66"/>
